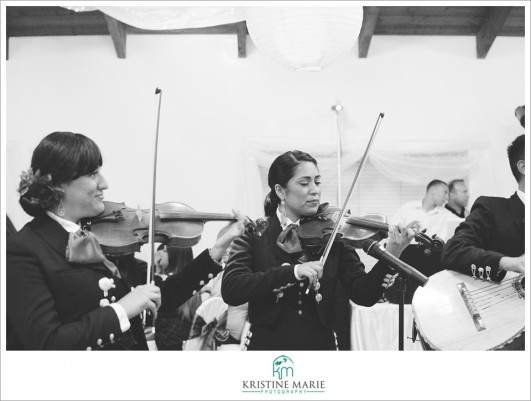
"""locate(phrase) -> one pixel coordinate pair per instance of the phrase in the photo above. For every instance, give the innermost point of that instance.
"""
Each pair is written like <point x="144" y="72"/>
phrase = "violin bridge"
<point x="139" y="214"/>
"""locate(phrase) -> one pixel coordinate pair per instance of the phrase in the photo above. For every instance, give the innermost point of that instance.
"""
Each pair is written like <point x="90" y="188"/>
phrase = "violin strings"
<point x="492" y="288"/>
<point x="492" y="293"/>
<point x="501" y="293"/>
<point x="504" y="299"/>
<point x="497" y="293"/>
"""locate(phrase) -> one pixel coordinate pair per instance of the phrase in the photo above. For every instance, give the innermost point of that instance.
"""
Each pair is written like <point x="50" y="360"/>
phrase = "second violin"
<point x="315" y="231"/>
<point x="123" y="230"/>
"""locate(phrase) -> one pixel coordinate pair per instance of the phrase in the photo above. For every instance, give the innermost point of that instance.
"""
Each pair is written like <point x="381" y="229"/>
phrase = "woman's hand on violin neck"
<point x="313" y="271"/>
<point x="141" y="298"/>
<point x="399" y="238"/>
<point x="228" y="234"/>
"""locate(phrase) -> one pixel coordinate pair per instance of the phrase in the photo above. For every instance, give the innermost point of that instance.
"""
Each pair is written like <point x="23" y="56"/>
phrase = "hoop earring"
<point x="60" y="209"/>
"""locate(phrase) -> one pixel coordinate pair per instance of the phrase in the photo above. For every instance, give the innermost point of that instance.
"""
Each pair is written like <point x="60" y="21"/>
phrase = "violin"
<point x="315" y="231"/>
<point x="122" y="230"/>
<point x="374" y="226"/>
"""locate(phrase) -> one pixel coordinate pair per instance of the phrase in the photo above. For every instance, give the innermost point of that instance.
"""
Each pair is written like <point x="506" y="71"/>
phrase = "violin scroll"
<point x="433" y="244"/>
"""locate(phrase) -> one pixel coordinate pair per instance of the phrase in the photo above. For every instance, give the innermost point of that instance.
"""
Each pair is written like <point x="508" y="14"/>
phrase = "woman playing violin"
<point x="61" y="291"/>
<point x="291" y="301"/>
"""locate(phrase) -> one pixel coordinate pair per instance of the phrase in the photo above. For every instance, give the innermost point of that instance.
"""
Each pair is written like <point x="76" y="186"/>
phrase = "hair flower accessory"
<point x="28" y="178"/>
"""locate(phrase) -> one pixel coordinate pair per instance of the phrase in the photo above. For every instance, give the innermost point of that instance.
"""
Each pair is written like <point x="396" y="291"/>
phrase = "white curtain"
<point x="419" y="162"/>
<point x="409" y="161"/>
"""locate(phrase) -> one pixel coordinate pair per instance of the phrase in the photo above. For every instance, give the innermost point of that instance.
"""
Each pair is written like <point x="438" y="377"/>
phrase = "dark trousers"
<point x="292" y="333"/>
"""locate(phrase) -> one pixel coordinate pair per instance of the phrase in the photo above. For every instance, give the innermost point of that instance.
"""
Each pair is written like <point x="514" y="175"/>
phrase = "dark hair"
<point x="516" y="152"/>
<point x="60" y="157"/>
<point x="520" y="115"/>
<point x="452" y="183"/>
<point x="178" y="258"/>
<point x="434" y="183"/>
<point x="280" y="172"/>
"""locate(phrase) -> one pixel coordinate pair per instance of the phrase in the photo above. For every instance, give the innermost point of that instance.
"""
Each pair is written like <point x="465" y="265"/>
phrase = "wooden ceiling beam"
<point x="118" y="33"/>
<point x="492" y="26"/>
<point x="370" y="19"/>
<point x="241" y="31"/>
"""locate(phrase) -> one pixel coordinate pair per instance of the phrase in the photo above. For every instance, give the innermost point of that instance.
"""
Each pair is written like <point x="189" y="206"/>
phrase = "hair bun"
<point x="37" y="194"/>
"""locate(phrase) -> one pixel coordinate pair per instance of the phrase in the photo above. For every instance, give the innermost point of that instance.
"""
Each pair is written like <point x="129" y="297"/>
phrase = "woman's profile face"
<point x="161" y="261"/>
<point x="83" y="197"/>
<point x="302" y="192"/>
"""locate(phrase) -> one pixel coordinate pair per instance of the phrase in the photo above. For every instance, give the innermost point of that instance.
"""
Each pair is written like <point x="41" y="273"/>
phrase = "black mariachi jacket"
<point x="54" y="304"/>
<point x="255" y="270"/>
<point x="494" y="228"/>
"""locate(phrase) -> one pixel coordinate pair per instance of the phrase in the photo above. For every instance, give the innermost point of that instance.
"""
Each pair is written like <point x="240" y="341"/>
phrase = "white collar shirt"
<point x="66" y="224"/>
<point x="287" y="221"/>
<point x="435" y="221"/>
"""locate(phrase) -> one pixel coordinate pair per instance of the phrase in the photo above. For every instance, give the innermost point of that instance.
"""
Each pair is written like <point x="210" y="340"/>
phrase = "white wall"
<point x="429" y="87"/>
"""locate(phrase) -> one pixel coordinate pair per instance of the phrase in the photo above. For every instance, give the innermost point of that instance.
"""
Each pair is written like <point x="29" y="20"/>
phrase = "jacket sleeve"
<point x="31" y="312"/>
<point x="241" y="283"/>
<point x="180" y="287"/>
<point x="363" y="288"/>
<point x="469" y="243"/>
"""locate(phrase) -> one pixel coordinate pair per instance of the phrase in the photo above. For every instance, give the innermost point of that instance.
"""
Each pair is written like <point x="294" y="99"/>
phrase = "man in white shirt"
<point x="428" y="213"/>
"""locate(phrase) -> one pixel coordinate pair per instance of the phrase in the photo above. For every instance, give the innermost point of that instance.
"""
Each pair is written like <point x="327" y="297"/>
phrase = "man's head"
<point x="516" y="153"/>
<point x="458" y="193"/>
<point x="437" y="191"/>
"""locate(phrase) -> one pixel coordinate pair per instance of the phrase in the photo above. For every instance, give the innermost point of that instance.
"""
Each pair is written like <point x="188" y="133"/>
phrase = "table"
<point x="375" y="328"/>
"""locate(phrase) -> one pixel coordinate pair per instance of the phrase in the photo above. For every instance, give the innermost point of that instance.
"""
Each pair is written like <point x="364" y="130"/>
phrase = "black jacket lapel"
<point x="56" y="236"/>
<point x="517" y="211"/>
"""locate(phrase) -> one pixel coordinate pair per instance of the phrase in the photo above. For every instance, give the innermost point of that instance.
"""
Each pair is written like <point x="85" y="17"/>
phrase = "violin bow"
<point x="337" y="108"/>
<point x="150" y="269"/>
<point x="360" y="167"/>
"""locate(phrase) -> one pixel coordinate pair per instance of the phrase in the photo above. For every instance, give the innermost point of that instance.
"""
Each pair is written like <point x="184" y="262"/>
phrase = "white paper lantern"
<point x="304" y="38"/>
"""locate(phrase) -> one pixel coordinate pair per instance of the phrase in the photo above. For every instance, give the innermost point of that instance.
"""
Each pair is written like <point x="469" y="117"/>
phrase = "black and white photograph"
<point x="331" y="192"/>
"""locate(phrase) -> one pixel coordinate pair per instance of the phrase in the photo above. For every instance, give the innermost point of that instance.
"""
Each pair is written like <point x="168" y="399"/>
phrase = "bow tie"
<point x="84" y="248"/>
<point x="288" y="239"/>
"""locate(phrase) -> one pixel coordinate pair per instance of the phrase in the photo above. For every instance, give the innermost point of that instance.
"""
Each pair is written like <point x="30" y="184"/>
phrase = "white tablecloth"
<point x="376" y="328"/>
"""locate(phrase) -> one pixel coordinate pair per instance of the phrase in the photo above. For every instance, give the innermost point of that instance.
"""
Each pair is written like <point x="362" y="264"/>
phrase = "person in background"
<point x="291" y="300"/>
<point x="429" y="213"/>
<point x="173" y="327"/>
<point x="458" y="198"/>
